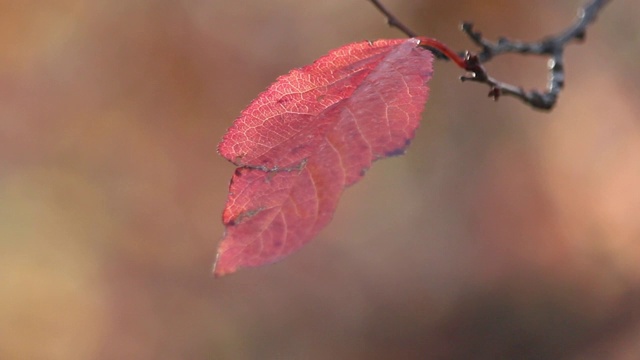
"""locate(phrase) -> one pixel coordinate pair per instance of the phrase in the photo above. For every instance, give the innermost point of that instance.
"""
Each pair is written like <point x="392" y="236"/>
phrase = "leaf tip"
<point x="220" y="270"/>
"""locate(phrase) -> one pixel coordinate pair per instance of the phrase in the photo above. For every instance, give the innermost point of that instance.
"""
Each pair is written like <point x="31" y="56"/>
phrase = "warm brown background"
<point x="505" y="233"/>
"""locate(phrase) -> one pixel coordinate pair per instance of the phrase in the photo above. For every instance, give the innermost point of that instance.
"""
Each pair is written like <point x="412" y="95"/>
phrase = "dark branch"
<point x="394" y="22"/>
<point x="550" y="46"/>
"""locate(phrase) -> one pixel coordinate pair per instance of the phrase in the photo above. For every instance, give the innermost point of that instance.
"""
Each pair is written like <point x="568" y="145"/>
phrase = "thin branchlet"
<point x="396" y="23"/>
<point x="551" y="47"/>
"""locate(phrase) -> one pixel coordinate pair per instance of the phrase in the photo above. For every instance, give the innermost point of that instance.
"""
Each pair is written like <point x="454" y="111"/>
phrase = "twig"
<point x="550" y="46"/>
<point x="394" y="22"/>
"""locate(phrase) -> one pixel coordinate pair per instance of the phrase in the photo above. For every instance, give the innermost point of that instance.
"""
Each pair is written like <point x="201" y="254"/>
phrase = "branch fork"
<point x="550" y="46"/>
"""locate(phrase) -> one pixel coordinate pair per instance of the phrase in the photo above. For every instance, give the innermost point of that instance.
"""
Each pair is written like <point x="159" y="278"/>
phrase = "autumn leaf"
<point x="312" y="133"/>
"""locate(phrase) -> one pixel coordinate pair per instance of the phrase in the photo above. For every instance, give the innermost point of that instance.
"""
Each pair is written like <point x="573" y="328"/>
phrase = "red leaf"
<point x="313" y="132"/>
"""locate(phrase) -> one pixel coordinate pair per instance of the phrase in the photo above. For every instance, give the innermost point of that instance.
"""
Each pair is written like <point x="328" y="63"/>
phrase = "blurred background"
<point x="504" y="233"/>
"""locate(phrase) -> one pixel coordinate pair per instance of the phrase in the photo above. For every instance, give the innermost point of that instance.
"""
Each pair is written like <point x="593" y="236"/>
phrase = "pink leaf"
<point x="313" y="132"/>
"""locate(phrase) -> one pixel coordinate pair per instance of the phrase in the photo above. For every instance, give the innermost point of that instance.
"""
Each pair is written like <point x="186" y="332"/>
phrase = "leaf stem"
<point x="445" y="50"/>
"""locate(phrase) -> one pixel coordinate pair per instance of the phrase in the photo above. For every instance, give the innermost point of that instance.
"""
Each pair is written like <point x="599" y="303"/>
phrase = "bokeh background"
<point x="504" y="233"/>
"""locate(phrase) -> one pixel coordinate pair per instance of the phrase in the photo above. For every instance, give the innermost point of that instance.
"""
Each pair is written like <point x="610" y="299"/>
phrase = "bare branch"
<point x="550" y="46"/>
<point x="394" y="22"/>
